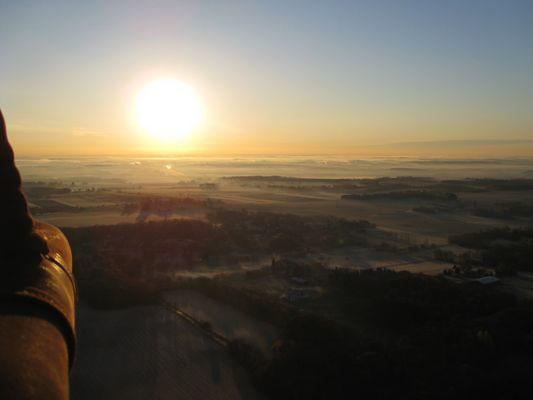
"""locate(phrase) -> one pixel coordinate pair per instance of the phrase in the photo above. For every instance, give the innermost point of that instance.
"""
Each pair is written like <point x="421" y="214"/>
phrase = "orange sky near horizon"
<point x="334" y="78"/>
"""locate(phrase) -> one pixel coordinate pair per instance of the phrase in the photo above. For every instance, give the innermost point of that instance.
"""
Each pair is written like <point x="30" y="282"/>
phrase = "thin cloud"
<point x="88" y="133"/>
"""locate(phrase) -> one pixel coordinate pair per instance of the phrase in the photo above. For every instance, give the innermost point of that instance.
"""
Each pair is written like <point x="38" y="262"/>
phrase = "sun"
<point x="168" y="109"/>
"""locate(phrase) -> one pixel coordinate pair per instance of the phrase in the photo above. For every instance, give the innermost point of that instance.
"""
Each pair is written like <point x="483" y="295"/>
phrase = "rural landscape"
<point x="296" y="278"/>
<point x="266" y="200"/>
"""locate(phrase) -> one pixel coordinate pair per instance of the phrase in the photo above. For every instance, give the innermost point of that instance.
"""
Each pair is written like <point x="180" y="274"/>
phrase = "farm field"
<point x="245" y="247"/>
<point x="228" y="322"/>
<point x="148" y="353"/>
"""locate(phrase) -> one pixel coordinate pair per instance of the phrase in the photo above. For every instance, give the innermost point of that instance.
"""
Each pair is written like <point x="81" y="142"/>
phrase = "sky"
<point x="275" y="77"/>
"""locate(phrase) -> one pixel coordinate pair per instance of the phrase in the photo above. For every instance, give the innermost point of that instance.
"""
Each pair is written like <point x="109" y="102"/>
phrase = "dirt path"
<point x="214" y="336"/>
<point x="149" y="353"/>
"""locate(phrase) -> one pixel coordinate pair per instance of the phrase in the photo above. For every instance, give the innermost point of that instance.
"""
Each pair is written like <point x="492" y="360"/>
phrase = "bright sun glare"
<point x="168" y="109"/>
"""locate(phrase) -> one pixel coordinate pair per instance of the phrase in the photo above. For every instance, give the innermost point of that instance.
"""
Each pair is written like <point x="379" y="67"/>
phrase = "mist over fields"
<point x="268" y="200"/>
<point x="244" y="267"/>
<point x="109" y="170"/>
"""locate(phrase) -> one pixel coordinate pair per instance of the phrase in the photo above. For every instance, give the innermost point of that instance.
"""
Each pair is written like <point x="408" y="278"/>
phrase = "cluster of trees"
<point x="38" y="191"/>
<point x="45" y="206"/>
<point x="468" y="271"/>
<point x="163" y="206"/>
<point x="483" y="185"/>
<point x="395" y="188"/>
<point x="114" y="292"/>
<point x="402" y="336"/>
<point x="427" y="195"/>
<point x="504" y="249"/>
<point x="509" y="210"/>
<point x="103" y="286"/>
<point x="464" y="258"/>
<point x="142" y="249"/>
<point x="426" y="210"/>
<point x="267" y="232"/>
<point x="401" y="300"/>
<point x="312" y="188"/>
<point x="504" y="184"/>
<point x="288" y="179"/>
<point x="487" y="238"/>
<point x="289" y="268"/>
<point x="151" y="250"/>
<point x="263" y="306"/>
<point x="333" y="184"/>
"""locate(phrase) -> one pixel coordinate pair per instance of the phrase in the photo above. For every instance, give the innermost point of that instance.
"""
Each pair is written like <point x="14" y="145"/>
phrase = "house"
<point x="295" y="294"/>
<point x="487" y="280"/>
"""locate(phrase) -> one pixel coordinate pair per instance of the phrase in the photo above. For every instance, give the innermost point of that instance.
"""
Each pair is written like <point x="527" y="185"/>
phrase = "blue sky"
<point x="273" y="74"/>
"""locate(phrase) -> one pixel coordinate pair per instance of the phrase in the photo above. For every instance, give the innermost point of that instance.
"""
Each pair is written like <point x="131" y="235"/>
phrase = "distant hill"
<point x="458" y="148"/>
